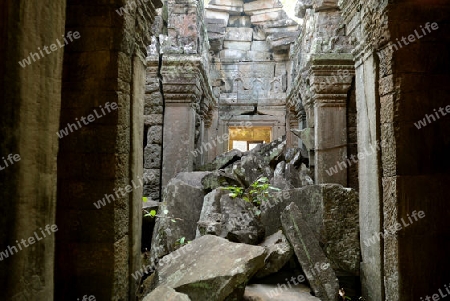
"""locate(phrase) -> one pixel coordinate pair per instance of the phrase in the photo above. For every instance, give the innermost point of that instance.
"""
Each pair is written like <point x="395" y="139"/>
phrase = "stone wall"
<point x="153" y="125"/>
<point x="97" y="249"/>
<point x="319" y="97"/>
<point x="343" y="65"/>
<point x="400" y="71"/>
<point x="30" y="107"/>
<point x="179" y="100"/>
<point x="250" y="45"/>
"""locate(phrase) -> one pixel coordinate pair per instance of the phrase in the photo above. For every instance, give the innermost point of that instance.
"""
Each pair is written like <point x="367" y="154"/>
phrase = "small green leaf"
<point x="152" y="213"/>
<point x="173" y="221"/>
<point x="182" y="240"/>
<point x="144" y="199"/>
<point x="246" y="199"/>
<point x="262" y="180"/>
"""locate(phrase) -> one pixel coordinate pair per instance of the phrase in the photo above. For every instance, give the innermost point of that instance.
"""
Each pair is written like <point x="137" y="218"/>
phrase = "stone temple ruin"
<point x="224" y="150"/>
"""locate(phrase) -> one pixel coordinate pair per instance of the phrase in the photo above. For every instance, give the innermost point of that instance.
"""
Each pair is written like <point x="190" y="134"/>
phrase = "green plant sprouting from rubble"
<point x="182" y="241"/>
<point x="258" y="192"/>
<point x="152" y="213"/>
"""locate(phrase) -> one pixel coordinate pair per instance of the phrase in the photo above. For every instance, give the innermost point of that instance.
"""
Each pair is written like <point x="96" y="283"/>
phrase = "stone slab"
<point x="232" y="54"/>
<point x="227" y="2"/>
<point x="232" y="10"/>
<point x="270" y="16"/>
<point x="209" y="14"/>
<point x="239" y="34"/>
<point x="278" y="292"/>
<point x="235" y="45"/>
<point x="239" y="21"/>
<point x="314" y="263"/>
<point x="219" y="22"/>
<point x="261" y="46"/>
<point x="259" y="56"/>
<point x="210" y="268"/>
<point x="166" y="293"/>
<point x="259" y="34"/>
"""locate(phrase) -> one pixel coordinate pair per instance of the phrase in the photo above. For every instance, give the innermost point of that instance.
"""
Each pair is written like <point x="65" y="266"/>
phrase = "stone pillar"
<point x="187" y="96"/>
<point x="302" y="125"/>
<point x="330" y="141"/>
<point x="200" y="142"/>
<point x="368" y="131"/>
<point x="179" y="135"/>
<point x="331" y="76"/>
<point x="370" y="212"/>
<point x="186" y="88"/>
<point x="292" y="122"/>
<point x="136" y="169"/>
<point x="212" y="132"/>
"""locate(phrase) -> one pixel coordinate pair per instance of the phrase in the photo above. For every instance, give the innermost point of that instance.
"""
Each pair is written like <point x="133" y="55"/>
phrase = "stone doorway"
<point x="245" y="139"/>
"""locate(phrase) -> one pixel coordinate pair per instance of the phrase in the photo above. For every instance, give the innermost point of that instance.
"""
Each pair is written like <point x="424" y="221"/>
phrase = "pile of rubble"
<point x="232" y="244"/>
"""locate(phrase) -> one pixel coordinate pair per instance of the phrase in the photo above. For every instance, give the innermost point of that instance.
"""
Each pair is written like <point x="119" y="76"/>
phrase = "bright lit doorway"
<point x="245" y="139"/>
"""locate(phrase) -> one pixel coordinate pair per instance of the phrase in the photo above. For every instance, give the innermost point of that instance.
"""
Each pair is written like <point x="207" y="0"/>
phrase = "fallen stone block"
<point x="220" y="178"/>
<point x="223" y="160"/>
<point x="193" y="178"/>
<point x="178" y="215"/>
<point x="212" y="269"/>
<point x="332" y="211"/>
<point x="166" y="293"/>
<point x="230" y="218"/>
<point x="250" y="168"/>
<point x="315" y="264"/>
<point x="279" y="252"/>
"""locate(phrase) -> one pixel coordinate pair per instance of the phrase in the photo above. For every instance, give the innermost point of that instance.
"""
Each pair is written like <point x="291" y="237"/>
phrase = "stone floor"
<point x="270" y="292"/>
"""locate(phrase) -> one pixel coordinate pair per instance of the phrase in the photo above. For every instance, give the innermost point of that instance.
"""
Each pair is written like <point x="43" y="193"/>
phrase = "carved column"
<point x="330" y="77"/>
<point x="187" y="97"/>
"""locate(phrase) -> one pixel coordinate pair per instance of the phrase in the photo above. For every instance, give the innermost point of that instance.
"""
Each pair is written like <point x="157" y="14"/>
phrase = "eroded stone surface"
<point x="212" y="269"/>
<point x="279" y="251"/>
<point x="223" y="160"/>
<point x="314" y="263"/>
<point x="332" y="212"/>
<point x="279" y="292"/>
<point x="166" y="293"/>
<point x="231" y="218"/>
<point x="177" y="217"/>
